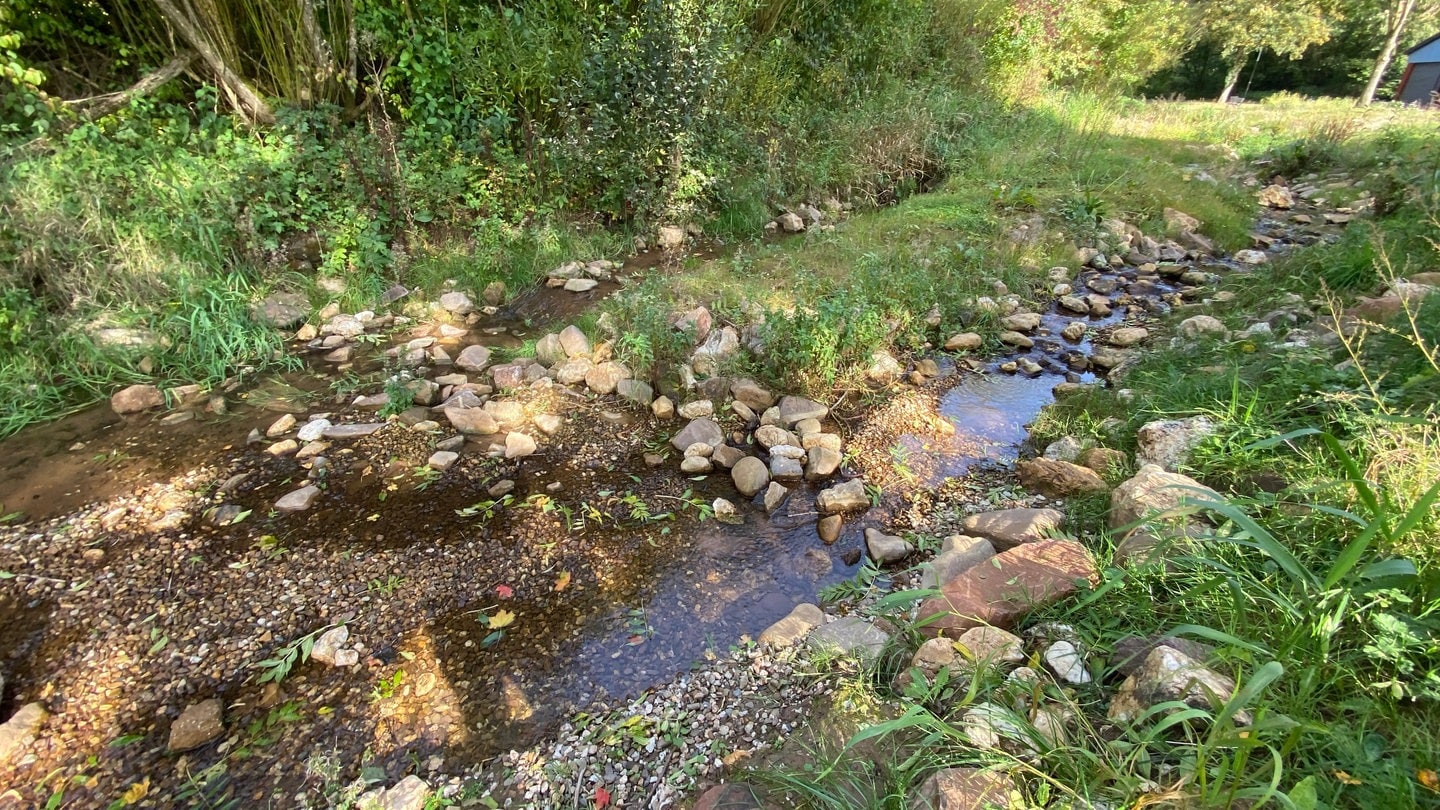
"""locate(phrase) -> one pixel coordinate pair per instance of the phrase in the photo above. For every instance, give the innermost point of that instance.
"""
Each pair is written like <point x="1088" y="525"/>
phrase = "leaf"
<point x="602" y="797"/>
<point x="1428" y="779"/>
<point x="563" y="581"/>
<point x="492" y="639"/>
<point x="1303" y="795"/>
<point x="504" y="591"/>
<point x="1345" y="778"/>
<point x="136" y="792"/>
<point x="502" y="618"/>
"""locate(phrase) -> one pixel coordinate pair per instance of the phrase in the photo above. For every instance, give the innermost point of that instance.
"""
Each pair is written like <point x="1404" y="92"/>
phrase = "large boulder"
<point x="198" y="724"/>
<point x="1009" y="587"/>
<point x="703" y="430"/>
<point x="1168" y="675"/>
<point x="847" y="497"/>
<point x="798" y="409"/>
<point x="722" y="345"/>
<point x="1154" y="494"/>
<point x="1007" y="528"/>
<point x="573" y="342"/>
<point x="965" y="789"/>
<point x="1168" y="443"/>
<point x="1059" y="479"/>
<point x="473" y="358"/>
<point x="136" y="398"/>
<point x="792" y="628"/>
<point x="851" y="635"/>
<point x="750" y="476"/>
<point x="282" y="310"/>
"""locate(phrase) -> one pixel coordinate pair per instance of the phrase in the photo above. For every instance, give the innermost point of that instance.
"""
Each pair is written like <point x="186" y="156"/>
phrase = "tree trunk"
<point x="1232" y="78"/>
<point x="248" y="102"/>
<point x="1398" y="17"/>
<point x="101" y="106"/>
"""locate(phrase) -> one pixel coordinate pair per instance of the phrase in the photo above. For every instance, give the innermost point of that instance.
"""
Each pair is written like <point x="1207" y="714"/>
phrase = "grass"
<point x="1320" y="599"/>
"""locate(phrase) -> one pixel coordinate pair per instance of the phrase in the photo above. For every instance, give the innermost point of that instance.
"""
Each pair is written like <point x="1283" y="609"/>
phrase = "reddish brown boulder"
<point x="1005" y="589"/>
<point x="729" y="796"/>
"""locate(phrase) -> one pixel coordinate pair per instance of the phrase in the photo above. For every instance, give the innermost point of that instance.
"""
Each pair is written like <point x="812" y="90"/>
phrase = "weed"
<point x="386" y="687"/>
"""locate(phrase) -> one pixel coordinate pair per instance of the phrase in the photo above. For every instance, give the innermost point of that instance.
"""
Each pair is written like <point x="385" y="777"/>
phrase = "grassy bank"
<point x="1318" y="587"/>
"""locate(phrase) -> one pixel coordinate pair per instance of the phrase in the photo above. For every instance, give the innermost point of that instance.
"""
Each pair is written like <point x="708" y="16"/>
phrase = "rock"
<point x="604" y="378"/>
<point x="328" y="645"/>
<point x="282" y="426"/>
<point x="699" y="449"/>
<point x="965" y="789"/>
<point x="442" y="460"/>
<point x="798" y="409"/>
<point x="1130" y="652"/>
<point x="473" y="358"/>
<point x="581" y="285"/>
<point x="299" y="500"/>
<point x="775" y="495"/>
<point x="1103" y="460"/>
<point x="1067" y="662"/>
<point x="1074" y="303"/>
<point x="1059" y="479"/>
<point x="1074" y="331"/>
<point x="815" y="440"/>
<point x="1168" y="443"/>
<point x="729" y="796"/>
<point x="573" y="342"/>
<point x="1065" y="448"/>
<point x="494" y="293"/>
<point x="20" y="730"/>
<point x="847" y="497"/>
<point x="964" y="342"/>
<point x="1128" y="336"/>
<point x="410" y="793"/>
<point x="957" y="554"/>
<point x="1179" y="221"/>
<point x="772" y="436"/>
<point x="573" y="371"/>
<point x="1012" y="527"/>
<point x="727" y="456"/>
<point x="822" y="463"/>
<point x="635" y="391"/>
<point x="663" y="408"/>
<point x="696" y="409"/>
<point x="1168" y="675"/>
<point x="703" y="430"/>
<point x="722" y="345"/>
<point x="280" y="449"/>
<point x="282" y="310"/>
<point x="136" y="398"/>
<point x="790" y="222"/>
<point x="198" y="724"/>
<point x="1008" y="587"/>
<point x="1016" y="339"/>
<point x="883" y="368"/>
<point x="457" y="303"/>
<point x="884" y="548"/>
<point x="849" y="636"/>
<point x="1200" y="326"/>
<point x="548" y="423"/>
<point x="669" y="237"/>
<point x="990" y="726"/>
<point x="1154" y="494"/>
<point x="1251" y="257"/>
<point x="549" y="350"/>
<point x="519" y="445"/>
<point x="784" y="468"/>
<point x="696" y="323"/>
<point x="1277" y="196"/>
<point x="755" y="397"/>
<point x="792" y="628"/>
<point x="1021" y="322"/>
<point x="472" y="421"/>
<point x="991" y="646"/>
<point x="696" y="465"/>
<point x="828" y="528"/>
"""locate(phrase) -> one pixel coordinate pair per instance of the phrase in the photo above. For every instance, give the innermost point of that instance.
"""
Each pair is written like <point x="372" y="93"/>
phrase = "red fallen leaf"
<point x="602" y="798"/>
<point x="636" y="640"/>
<point x="505" y="591"/>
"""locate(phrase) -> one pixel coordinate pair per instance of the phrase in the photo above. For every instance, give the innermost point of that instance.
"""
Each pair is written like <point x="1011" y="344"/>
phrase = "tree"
<point x="1397" y="15"/>
<point x="1284" y="27"/>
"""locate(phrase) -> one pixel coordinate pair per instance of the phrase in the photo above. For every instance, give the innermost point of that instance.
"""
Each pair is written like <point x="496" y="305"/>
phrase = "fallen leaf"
<point x="135" y="792"/>
<point x="602" y="798"/>
<point x="636" y="640"/>
<point x="563" y="581"/>
<point x="1429" y="780"/>
<point x="502" y="618"/>
<point x="504" y="591"/>
<point x="1345" y="778"/>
